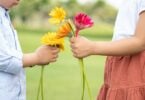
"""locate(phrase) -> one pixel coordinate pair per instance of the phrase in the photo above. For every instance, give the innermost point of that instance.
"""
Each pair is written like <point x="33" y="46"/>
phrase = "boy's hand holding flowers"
<point x="42" y="56"/>
<point x="54" y="40"/>
<point x="46" y="54"/>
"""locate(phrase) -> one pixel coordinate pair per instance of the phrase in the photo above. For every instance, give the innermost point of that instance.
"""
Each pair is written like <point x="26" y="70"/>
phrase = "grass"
<point x="62" y="78"/>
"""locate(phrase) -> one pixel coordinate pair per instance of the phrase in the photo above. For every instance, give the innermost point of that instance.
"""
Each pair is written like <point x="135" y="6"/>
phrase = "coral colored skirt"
<point x="124" y="78"/>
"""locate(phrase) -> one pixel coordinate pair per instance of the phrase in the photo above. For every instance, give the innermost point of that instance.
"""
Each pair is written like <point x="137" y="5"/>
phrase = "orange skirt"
<point x="124" y="78"/>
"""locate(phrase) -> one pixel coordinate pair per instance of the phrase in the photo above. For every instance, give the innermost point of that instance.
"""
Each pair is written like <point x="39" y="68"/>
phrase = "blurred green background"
<point x="62" y="78"/>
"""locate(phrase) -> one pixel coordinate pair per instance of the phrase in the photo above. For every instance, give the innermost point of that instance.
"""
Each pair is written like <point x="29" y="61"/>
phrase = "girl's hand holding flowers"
<point x="82" y="21"/>
<point x="81" y="47"/>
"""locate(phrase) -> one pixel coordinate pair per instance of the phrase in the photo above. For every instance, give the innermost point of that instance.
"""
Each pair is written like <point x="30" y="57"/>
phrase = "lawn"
<point x="62" y="78"/>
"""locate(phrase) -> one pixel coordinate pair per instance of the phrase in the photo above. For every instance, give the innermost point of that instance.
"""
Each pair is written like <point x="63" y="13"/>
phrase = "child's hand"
<point x="46" y="54"/>
<point x="81" y="47"/>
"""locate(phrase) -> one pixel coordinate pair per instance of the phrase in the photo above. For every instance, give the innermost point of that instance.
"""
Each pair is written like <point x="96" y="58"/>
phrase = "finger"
<point x="53" y="60"/>
<point x="56" y="51"/>
<point x="72" y="46"/>
<point x="44" y="65"/>
<point x="78" y="36"/>
<point x="72" y="40"/>
<point x="75" y="55"/>
<point x="55" y="56"/>
<point x="74" y="52"/>
<point x="53" y="47"/>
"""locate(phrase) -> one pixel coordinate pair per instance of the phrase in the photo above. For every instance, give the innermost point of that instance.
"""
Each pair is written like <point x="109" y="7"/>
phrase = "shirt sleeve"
<point x="10" y="59"/>
<point x="141" y="6"/>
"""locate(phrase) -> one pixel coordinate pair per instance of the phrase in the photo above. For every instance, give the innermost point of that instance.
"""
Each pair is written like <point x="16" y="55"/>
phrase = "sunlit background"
<point x="62" y="78"/>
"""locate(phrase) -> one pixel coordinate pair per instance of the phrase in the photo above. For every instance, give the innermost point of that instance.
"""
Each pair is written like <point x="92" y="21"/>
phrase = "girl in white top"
<point x="124" y="77"/>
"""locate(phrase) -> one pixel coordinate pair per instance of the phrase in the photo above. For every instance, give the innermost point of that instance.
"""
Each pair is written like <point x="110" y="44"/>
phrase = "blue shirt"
<point x="12" y="75"/>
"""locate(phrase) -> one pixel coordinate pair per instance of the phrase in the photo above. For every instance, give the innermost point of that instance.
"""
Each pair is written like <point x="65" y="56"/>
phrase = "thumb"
<point x="73" y="39"/>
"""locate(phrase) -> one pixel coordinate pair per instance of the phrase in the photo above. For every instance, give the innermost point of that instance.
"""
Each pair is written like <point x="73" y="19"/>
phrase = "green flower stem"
<point x="69" y="22"/>
<point x="88" y="87"/>
<point x="83" y="74"/>
<point x="41" y="88"/>
<point x="84" y="79"/>
<point x="89" y="90"/>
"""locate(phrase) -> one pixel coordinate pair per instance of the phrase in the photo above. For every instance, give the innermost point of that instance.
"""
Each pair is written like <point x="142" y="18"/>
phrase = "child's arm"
<point x="82" y="47"/>
<point x="12" y="61"/>
<point x="42" y="56"/>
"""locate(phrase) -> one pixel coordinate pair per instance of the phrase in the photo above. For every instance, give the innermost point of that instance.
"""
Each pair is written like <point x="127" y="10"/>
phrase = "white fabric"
<point x="127" y="18"/>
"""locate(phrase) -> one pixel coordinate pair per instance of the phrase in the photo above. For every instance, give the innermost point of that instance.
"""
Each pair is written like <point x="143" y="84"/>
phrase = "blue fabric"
<point x="12" y="75"/>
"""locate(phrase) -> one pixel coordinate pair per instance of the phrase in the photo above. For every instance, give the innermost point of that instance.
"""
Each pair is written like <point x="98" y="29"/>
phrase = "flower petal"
<point x="51" y="39"/>
<point x="82" y="20"/>
<point x="57" y="14"/>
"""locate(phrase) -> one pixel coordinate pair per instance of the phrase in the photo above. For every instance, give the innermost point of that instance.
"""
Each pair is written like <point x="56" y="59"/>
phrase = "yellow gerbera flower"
<point x="51" y="39"/>
<point x="57" y="15"/>
<point x="64" y="30"/>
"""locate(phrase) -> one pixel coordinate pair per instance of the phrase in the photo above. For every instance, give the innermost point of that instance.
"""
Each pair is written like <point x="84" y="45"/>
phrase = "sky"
<point x="115" y="3"/>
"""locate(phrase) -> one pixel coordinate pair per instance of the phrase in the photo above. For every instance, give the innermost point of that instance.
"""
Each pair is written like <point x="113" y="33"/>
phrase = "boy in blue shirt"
<point x="13" y="61"/>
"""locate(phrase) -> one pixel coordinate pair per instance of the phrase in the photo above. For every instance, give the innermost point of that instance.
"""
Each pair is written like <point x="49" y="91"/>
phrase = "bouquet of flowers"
<point x="68" y="27"/>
